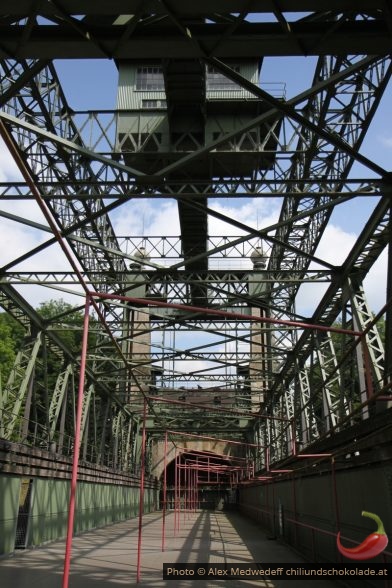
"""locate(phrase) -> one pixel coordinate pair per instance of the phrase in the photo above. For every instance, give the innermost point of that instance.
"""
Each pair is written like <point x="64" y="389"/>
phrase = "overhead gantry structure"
<point x="202" y="327"/>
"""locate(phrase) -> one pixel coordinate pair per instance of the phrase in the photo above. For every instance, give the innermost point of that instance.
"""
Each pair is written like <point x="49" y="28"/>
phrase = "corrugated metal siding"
<point x="98" y="505"/>
<point x="9" y="491"/>
<point x="128" y="98"/>
<point x="240" y="94"/>
<point x="250" y="72"/>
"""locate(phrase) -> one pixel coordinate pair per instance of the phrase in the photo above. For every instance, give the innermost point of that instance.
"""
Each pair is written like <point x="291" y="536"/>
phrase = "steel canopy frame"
<point x="72" y="166"/>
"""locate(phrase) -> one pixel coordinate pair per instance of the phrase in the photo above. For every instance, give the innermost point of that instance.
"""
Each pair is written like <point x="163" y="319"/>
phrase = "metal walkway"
<point x="108" y="556"/>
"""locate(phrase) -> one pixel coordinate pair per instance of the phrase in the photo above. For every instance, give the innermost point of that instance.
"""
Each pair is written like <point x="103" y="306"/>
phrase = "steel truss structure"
<point x="212" y="339"/>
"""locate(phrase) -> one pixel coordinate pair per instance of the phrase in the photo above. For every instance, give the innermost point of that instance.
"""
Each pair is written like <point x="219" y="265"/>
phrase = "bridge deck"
<point x="108" y="556"/>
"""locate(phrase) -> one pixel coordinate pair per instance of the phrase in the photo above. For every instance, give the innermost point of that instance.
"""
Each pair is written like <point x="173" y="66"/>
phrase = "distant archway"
<point x="200" y="480"/>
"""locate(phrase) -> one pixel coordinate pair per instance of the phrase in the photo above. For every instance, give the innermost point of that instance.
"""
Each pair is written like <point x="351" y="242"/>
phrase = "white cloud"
<point x="335" y="244"/>
<point x="8" y="168"/>
<point x="160" y="217"/>
<point x="386" y="141"/>
<point x="146" y="217"/>
<point x="16" y="240"/>
<point x="334" y="247"/>
<point x="375" y="283"/>
<point x="25" y="209"/>
<point x="255" y="213"/>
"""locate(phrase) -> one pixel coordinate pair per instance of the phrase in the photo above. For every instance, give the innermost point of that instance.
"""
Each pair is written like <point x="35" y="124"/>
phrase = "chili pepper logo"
<point x="373" y="545"/>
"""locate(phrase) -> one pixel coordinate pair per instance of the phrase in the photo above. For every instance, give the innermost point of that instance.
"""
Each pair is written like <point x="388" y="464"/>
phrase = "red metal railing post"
<point x="175" y="492"/>
<point x="185" y="492"/>
<point x="179" y="493"/>
<point x="190" y="490"/>
<point x="141" y="494"/>
<point x="75" y="463"/>
<point x="164" y="493"/>
<point x="196" y="492"/>
<point x="335" y="498"/>
<point x="197" y="489"/>
<point x="294" y="494"/>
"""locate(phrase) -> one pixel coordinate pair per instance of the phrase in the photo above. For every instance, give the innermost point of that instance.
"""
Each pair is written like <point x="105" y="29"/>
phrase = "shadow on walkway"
<point x="107" y="557"/>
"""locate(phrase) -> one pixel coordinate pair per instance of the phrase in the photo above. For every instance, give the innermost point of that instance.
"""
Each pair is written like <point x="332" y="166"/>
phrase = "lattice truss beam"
<point x="38" y="402"/>
<point x="300" y="379"/>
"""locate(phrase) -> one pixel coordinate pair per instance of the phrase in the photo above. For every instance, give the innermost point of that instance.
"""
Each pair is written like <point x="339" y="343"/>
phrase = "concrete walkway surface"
<point x="107" y="557"/>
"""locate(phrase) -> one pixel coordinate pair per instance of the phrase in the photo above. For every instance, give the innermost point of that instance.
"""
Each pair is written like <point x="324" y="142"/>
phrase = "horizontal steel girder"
<point x="249" y="40"/>
<point x="23" y="8"/>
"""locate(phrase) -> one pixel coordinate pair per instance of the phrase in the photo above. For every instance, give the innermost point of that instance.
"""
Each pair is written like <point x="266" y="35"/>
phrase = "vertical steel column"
<point x="293" y="438"/>
<point x="175" y="492"/>
<point x="366" y="366"/>
<point x="75" y="463"/>
<point x="267" y="503"/>
<point x="294" y="497"/>
<point x="186" y="489"/>
<point x="197" y="485"/>
<point x="388" y="314"/>
<point x="194" y="490"/>
<point x="179" y="492"/>
<point x="335" y="493"/>
<point x="141" y="495"/>
<point x="164" y="493"/>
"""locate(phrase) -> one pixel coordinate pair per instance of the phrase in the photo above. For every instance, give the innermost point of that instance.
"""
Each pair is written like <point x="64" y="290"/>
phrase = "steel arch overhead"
<point x="332" y="164"/>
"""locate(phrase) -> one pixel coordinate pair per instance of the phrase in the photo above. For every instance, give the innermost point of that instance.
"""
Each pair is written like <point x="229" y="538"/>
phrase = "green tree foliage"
<point x="65" y="320"/>
<point x="67" y="323"/>
<point x="11" y="337"/>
